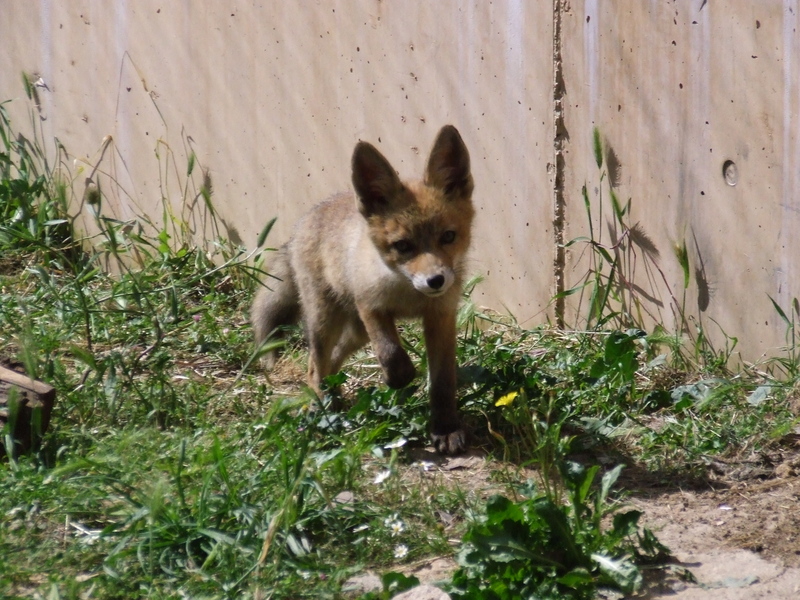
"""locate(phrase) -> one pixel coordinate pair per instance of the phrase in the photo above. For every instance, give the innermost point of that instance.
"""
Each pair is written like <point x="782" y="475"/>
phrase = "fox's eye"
<point x="448" y="237"/>
<point x="403" y="246"/>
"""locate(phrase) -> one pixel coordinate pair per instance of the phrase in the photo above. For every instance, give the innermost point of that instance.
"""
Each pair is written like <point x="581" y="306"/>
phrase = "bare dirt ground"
<point x="740" y="540"/>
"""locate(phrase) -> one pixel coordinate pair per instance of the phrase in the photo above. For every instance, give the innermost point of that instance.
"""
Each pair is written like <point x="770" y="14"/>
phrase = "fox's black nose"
<point x="436" y="282"/>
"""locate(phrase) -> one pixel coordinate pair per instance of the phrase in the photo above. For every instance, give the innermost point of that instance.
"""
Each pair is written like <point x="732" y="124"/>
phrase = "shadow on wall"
<point x="703" y="288"/>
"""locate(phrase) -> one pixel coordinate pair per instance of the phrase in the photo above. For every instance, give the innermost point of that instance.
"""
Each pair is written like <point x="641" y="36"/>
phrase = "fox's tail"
<point x="276" y="304"/>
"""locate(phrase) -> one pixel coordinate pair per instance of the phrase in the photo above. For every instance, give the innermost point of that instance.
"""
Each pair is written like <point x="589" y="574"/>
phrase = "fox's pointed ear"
<point x="374" y="179"/>
<point x="448" y="166"/>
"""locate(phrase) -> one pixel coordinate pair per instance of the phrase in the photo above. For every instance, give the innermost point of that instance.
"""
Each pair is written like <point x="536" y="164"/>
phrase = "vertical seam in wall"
<point x="559" y="138"/>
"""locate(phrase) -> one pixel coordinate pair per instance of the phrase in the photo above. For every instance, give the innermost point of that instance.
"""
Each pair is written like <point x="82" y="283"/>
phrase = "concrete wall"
<point x="272" y="96"/>
<point x="678" y="90"/>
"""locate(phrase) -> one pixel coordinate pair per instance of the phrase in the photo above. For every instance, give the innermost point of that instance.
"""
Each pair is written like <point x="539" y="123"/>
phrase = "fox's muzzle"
<point x="432" y="284"/>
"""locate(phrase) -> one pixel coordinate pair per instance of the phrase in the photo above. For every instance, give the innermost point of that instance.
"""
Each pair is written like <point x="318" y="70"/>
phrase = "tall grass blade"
<point x="780" y="312"/>
<point x="265" y="232"/>
<point x="619" y="210"/>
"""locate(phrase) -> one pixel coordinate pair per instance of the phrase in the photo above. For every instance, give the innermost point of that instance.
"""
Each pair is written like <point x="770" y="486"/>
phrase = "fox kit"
<point x="356" y="264"/>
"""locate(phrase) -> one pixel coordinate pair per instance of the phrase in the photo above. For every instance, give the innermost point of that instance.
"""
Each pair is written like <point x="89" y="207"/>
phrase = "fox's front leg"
<point x="398" y="370"/>
<point x="440" y="340"/>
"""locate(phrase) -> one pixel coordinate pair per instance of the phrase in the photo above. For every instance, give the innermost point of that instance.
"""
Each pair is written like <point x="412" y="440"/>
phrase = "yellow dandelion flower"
<point x="507" y="399"/>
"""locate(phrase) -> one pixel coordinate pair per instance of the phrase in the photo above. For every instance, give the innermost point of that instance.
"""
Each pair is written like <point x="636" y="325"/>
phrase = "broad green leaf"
<point x="499" y="509"/>
<point x="760" y="394"/>
<point x="503" y="547"/>
<point x="621" y="571"/>
<point x="627" y="523"/>
<point x="576" y="578"/>
<point x="398" y="582"/>
<point x="608" y="481"/>
<point x="564" y="536"/>
<point x="586" y="484"/>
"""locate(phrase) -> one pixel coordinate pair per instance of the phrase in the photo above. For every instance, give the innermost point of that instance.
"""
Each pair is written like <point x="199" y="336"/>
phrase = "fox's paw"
<point x="268" y="360"/>
<point x="399" y="371"/>
<point x="451" y="443"/>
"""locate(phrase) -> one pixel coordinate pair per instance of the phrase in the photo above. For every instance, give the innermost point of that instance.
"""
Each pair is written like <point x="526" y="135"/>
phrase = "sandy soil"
<point x="739" y="541"/>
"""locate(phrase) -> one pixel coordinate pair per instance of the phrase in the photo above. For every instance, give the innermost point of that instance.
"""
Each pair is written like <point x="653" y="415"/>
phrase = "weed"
<point x="539" y="547"/>
<point x="31" y="203"/>
<point x="625" y="280"/>
<point x="790" y="363"/>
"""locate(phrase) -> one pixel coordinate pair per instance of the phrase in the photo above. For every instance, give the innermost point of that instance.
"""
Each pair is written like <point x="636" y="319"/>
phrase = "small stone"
<point x="423" y="592"/>
<point x="363" y="583"/>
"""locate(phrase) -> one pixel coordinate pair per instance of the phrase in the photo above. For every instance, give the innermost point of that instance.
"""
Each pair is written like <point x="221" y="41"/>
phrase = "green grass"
<point x="171" y="470"/>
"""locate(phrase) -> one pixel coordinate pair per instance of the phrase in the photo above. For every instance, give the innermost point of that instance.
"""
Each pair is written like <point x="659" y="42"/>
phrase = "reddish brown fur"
<point x="357" y="264"/>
